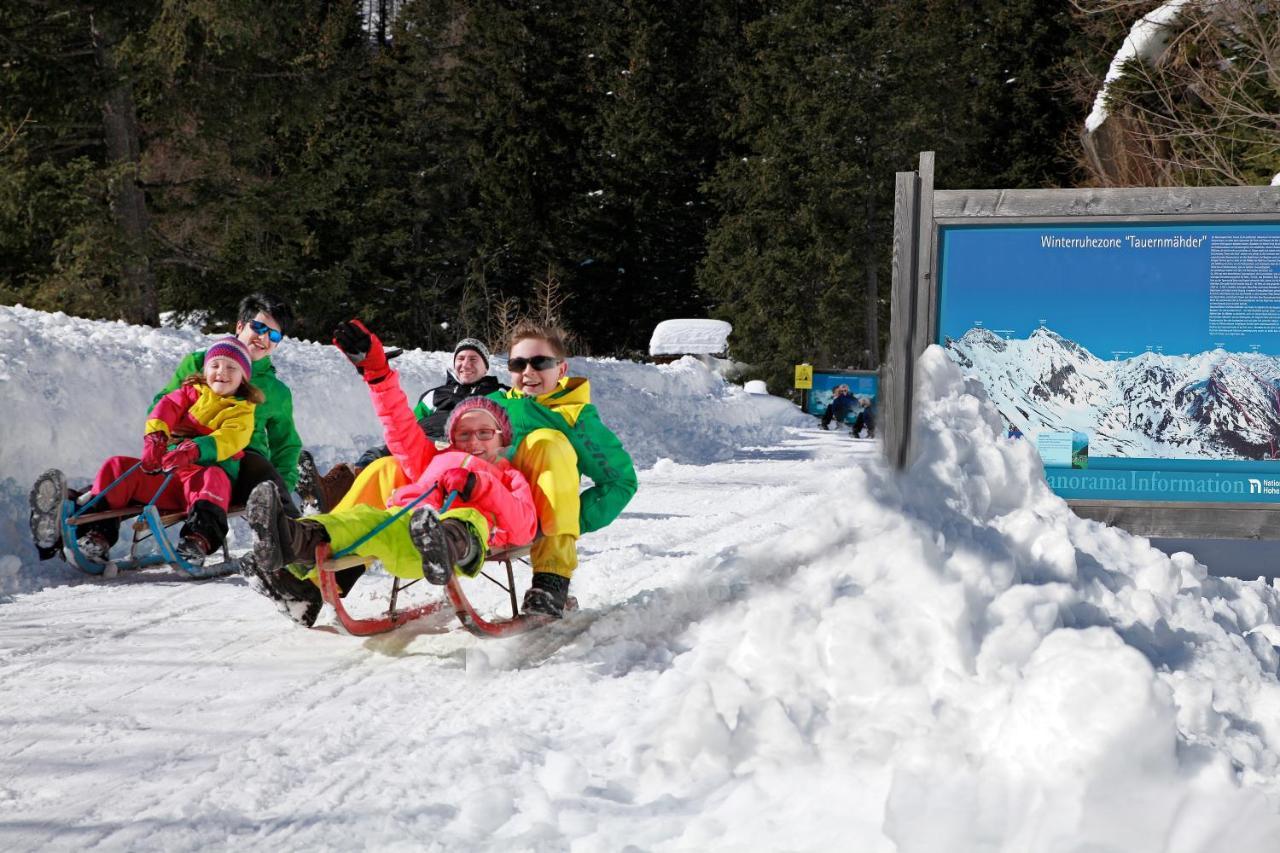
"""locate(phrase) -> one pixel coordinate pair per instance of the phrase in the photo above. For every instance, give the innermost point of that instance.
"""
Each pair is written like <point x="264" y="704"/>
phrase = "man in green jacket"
<point x="262" y="321"/>
<point x="558" y="436"/>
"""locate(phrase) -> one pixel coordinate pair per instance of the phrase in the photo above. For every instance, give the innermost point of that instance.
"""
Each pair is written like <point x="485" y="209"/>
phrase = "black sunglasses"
<point x="262" y="328"/>
<point x="539" y="362"/>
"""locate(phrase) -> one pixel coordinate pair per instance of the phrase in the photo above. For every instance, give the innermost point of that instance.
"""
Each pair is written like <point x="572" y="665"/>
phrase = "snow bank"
<point x="952" y="660"/>
<point x="74" y="391"/>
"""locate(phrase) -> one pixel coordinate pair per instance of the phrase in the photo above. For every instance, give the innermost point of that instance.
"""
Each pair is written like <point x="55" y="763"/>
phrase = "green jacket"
<point x="274" y="435"/>
<point x="601" y="455"/>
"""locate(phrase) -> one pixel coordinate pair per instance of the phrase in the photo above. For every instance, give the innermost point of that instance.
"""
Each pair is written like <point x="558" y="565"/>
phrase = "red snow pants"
<point x="190" y="484"/>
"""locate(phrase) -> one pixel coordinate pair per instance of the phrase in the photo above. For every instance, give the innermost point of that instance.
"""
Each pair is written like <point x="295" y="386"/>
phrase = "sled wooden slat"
<point x="167" y="519"/>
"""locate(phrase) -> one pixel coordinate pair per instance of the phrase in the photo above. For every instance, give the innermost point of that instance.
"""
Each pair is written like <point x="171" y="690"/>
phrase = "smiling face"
<point x="224" y="375"/>
<point x="468" y="366"/>
<point x="259" y="344"/>
<point x="468" y="434"/>
<point x="530" y="379"/>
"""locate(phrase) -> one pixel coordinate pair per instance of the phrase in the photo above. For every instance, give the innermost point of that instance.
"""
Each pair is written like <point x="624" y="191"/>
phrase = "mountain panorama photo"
<point x="1208" y="405"/>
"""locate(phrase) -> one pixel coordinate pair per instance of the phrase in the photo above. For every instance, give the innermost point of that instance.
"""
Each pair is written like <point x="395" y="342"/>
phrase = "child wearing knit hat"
<point x="196" y="433"/>
<point x="490" y="502"/>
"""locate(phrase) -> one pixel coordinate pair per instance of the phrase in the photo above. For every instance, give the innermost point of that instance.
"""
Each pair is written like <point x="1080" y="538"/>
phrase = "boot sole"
<point x="428" y="538"/>
<point x="46" y="498"/>
<point x="309" y="482"/>
<point x="261" y="510"/>
<point x="302" y="611"/>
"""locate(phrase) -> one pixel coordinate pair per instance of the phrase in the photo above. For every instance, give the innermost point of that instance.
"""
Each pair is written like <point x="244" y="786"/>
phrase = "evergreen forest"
<point x="439" y="167"/>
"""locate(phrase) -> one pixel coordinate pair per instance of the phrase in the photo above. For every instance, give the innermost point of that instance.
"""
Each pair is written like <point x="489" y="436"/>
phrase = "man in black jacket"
<point x="468" y="378"/>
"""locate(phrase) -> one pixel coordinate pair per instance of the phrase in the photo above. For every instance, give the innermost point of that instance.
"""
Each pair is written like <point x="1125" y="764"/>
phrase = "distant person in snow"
<point x="839" y="407"/>
<point x="262" y="322"/>
<point x="197" y="432"/>
<point x="468" y="378"/>
<point x="492" y="504"/>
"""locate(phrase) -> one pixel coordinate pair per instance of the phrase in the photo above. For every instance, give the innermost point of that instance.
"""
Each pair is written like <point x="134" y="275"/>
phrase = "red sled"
<point x="394" y="617"/>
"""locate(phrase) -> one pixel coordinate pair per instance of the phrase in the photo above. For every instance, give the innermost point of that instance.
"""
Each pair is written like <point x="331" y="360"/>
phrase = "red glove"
<point x="459" y="480"/>
<point x="364" y="350"/>
<point x="181" y="456"/>
<point x="153" y="448"/>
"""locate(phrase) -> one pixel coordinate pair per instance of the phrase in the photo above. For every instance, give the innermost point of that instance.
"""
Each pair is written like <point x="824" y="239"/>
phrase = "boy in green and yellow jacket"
<point x="557" y="437"/>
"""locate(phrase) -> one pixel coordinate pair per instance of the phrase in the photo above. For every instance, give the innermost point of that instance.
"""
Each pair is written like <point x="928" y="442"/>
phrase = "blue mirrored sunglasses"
<point x="261" y="328"/>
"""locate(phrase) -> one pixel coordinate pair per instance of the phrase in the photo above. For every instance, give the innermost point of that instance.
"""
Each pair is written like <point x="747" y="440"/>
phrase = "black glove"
<point x="363" y="349"/>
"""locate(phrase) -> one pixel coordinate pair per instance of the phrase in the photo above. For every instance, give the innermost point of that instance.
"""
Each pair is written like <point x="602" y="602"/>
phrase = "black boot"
<point x="308" y="487"/>
<point x="46" y="499"/>
<point x="444" y="544"/>
<point x="547" y="595"/>
<point x="203" y="532"/>
<point x="279" y="541"/>
<point x="96" y="538"/>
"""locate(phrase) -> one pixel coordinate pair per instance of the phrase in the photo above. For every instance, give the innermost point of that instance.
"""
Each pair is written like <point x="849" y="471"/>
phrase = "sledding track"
<point x="168" y="714"/>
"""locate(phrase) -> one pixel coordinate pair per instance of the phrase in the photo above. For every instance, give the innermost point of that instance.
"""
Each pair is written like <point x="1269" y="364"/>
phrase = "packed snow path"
<point x="153" y="712"/>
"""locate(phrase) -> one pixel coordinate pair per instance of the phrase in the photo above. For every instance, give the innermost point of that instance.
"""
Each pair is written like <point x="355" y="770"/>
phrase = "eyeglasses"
<point x="539" y="362"/>
<point x="482" y="434"/>
<point x="261" y="328"/>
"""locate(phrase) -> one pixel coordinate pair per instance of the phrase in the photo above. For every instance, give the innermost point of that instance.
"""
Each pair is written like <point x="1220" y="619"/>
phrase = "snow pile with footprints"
<point x="782" y="645"/>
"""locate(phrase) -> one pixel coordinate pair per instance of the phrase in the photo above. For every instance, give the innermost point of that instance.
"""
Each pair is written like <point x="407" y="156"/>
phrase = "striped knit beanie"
<point x="232" y="348"/>
<point x="473" y="344"/>
<point x="483" y="404"/>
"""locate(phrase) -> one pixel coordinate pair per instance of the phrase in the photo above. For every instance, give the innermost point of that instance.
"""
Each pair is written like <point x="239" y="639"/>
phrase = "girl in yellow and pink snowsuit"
<point x="196" y="433"/>
<point x="493" y="506"/>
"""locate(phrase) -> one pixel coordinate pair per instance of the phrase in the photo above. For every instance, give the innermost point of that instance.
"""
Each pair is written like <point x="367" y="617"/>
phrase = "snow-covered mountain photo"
<point x="1208" y="405"/>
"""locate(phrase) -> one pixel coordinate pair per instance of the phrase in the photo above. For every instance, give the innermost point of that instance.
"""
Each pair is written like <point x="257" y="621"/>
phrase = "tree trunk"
<point x="128" y="204"/>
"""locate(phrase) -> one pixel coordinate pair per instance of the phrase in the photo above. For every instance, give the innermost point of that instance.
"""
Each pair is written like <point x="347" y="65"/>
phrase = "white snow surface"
<point x="781" y="645"/>
<point x="692" y="337"/>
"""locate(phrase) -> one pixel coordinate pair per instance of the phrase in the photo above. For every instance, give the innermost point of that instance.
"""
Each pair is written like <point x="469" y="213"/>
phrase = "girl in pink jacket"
<point x="492" y="508"/>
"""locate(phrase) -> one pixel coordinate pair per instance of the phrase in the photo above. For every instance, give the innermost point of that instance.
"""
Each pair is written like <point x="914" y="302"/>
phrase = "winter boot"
<point x="296" y="598"/>
<point x="94" y="546"/>
<point x="309" y="482"/>
<point x="443" y="544"/>
<point x="46" y="498"/>
<point x="279" y="541"/>
<point x="547" y="595"/>
<point x="193" y="548"/>
<point x="203" y="532"/>
<point x="335" y="485"/>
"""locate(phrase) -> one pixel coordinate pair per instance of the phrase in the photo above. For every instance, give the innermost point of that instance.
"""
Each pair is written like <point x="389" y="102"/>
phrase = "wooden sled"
<point x="455" y="596"/>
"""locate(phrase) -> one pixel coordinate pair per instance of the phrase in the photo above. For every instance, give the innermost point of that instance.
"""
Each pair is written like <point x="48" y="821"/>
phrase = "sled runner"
<point x="148" y="524"/>
<point x="328" y="564"/>
<point x="456" y="597"/>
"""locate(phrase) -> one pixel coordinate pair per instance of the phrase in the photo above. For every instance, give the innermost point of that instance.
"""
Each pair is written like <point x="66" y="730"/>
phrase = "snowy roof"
<point x="690" y="337"/>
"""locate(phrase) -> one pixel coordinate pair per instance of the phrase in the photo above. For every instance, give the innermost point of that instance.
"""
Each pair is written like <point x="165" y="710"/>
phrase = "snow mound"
<point x="953" y="657"/>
